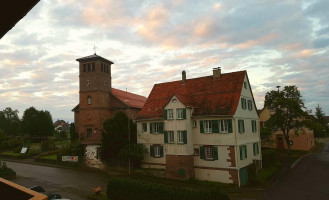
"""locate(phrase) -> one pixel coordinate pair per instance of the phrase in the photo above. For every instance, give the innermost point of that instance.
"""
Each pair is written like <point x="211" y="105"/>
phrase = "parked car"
<point x="51" y="196"/>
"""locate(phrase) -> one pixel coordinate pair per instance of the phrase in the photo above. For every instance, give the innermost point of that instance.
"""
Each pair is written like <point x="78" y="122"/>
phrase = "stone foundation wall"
<point x="180" y="166"/>
<point x="90" y="157"/>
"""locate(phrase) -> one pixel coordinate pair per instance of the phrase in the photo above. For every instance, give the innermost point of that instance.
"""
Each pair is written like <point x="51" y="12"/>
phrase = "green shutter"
<point x="160" y="127"/>
<point x="165" y="137"/>
<point x="185" y="137"/>
<point x="245" y="151"/>
<point x="230" y="128"/>
<point x="254" y="148"/>
<point x="201" y="152"/>
<point x="161" y="151"/>
<point x="152" y="151"/>
<point x="184" y="113"/>
<point x="151" y="128"/>
<point x="201" y="127"/>
<point x="242" y="122"/>
<point x="214" y="124"/>
<point x="215" y="149"/>
<point x="255" y="125"/>
<point x="239" y="125"/>
<point x="165" y="114"/>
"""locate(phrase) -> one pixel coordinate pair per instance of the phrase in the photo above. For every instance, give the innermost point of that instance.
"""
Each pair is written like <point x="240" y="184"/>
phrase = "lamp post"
<point x="128" y="139"/>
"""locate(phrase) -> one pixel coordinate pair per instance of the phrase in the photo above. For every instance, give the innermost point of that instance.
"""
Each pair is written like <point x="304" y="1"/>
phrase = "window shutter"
<point x="165" y="137"/>
<point x="254" y="148"/>
<point x="229" y="124"/>
<point x="184" y="113"/>
<point x="215" y="149"/>
<point x="161" y="151"/>
<point x="242" y="122"/>
<point x="215" y="128"/>
<point x="239" y="125"/>
<point x="185" y="137"/>
<point x="201" y="127"/>
<point x="152" y="151"/>
<point x="165" y="114"/>
<point x="201" y="152"/>
<point x="151" y="128"/>
<point x="245" y="151"/>
<point x="160" y="127"/>
<point x="255" y="125"/>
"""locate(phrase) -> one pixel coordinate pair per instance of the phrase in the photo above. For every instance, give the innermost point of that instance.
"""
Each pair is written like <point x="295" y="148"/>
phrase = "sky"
<point x="277" y="42"/>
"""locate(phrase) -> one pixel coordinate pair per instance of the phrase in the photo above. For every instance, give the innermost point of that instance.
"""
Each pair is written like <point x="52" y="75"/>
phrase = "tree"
<point x="37" y="123"/>
<point x="115" y="138"/>
<point x="287" y="106"/>
<point x="319" y="115"/>
<point x="73" y="135"/>
<point x="10" y="122"/>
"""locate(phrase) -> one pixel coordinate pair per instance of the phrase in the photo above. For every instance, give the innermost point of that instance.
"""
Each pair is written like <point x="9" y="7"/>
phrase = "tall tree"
<point x="10" y="122"/>
<point x="319" y="115"/>
<point x="73" y="135"/>
<point x="287" y="106"/>
<point x="37" y="123"/>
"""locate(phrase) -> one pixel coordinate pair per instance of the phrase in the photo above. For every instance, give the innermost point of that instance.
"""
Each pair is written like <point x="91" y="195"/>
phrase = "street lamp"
<point x="127" y="101"/>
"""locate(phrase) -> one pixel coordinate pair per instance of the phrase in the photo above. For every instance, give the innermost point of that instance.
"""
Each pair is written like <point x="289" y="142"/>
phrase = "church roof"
<point x="94" y="57"/>
<point x="207" y="95"/>
<point x="135" y="100"/>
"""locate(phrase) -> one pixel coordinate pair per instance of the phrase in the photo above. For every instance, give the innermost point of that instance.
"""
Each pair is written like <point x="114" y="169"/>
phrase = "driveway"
<point x="71" y="184"/>
<point x="308" y="180"/>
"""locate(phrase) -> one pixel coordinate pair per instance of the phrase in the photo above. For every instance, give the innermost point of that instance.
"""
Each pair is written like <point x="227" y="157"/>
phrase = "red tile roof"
<point x="208" y="95"/>
<point x="135" y="100"/>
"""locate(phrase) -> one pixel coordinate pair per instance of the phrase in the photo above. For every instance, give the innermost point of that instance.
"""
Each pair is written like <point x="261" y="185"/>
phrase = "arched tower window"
<point x="89" y="100"/>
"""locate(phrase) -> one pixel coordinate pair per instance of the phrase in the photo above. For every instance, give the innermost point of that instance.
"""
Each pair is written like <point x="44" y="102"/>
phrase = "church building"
<point x="98" y="102"/>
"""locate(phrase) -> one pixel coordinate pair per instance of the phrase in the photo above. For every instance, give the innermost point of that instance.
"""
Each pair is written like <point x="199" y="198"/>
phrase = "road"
<point x="308" y="180"/>
<point x="70" y="184"/>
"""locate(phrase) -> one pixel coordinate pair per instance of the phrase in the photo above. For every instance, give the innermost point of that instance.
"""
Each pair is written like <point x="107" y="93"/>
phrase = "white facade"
<point x="91" y="157"/>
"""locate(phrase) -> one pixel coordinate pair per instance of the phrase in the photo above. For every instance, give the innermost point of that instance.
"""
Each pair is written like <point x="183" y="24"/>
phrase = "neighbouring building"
<point x="98" y="101"/>
<point x="61" y="125"/>
<point x="302" y="140"/>
<point x="205" y="128"/>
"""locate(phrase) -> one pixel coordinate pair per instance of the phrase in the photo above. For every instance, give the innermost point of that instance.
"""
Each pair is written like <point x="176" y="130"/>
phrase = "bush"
<point x="126" y="189"/>
<point x="61" y="135"/>
<point x="73" y="149"/>
<point x="6" y="172"/>
<point x="15" y="142"/>
<point x="48" y="145"/>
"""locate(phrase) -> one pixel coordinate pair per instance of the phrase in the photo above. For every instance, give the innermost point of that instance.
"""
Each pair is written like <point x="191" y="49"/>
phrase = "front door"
<point x="243" y="176"/>
<point x="279" y="142"/>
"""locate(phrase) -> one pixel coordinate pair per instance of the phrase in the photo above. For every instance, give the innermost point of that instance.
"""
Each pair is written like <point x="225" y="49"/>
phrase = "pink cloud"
<point x="263" y="40"/>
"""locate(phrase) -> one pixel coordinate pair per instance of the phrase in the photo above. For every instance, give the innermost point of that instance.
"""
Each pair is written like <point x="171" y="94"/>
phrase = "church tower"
<point x="94" y="94"/>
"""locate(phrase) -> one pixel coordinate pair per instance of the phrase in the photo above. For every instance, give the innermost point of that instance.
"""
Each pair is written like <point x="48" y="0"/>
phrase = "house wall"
<point x="90" y="157"/>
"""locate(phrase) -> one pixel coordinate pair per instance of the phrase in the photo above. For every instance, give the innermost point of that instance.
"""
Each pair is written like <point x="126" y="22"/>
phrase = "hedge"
<point x="127" y="189"/>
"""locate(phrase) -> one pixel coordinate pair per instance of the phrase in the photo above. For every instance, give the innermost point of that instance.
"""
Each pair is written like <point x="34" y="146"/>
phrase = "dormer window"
<point x="89" y="100"/>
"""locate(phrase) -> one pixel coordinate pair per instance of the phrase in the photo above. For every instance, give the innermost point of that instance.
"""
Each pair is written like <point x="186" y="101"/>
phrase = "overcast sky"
<point x="277" y="42"/>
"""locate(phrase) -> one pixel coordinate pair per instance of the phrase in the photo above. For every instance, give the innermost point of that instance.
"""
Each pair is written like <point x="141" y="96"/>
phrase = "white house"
<point x="206" y="127"/>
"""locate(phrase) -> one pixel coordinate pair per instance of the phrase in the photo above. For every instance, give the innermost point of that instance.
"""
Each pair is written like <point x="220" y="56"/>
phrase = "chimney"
<point x="216" y="72"/>
<point x="183" y="76"/>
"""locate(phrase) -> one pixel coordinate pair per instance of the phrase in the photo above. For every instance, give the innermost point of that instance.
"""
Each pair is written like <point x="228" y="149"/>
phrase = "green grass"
<point x="10" y="153"/>
<point x="49" y="157"/>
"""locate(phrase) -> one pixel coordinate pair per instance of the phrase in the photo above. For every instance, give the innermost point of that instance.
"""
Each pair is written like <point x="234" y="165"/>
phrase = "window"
<point x="171" y="137"/>
<point x="194" y="124"/>
<point x="245" y="84"/>
<point x="95" y="130"/>
<point x="89" y="132"/>
<point x="180" y="137"/>
<point x="241" y="125"/>
<point x="196" y="151"/>
<point x="223" y="126"/>
<point x="107" y="69"/>
<point x="89" y="67"/>
<point x="256" y="149"/>
<point x="249" y="105"/>
<point x="181" y="113"/>
<point x="207" y="126"/>
<point x="89" y="100"/>
<point x="253" y="126"/>
<point x="156" y="151"/>
<point x="209" y="152"/>
<point x="84" y="67"/>
<point x="170" y="114"/>
<point x="156" y="127"/>
<point x="243" y="103"/>
<point x="98" y="152"/>
<point x="93" y="67"/>
<point x="144" y="127"/>
<point x="243" y="152"/>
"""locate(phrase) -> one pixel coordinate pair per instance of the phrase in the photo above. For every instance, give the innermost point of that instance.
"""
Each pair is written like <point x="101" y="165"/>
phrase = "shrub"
<point x="48" y="145"/>
<point x="15" y="142"/>
<point x="126" y="189"/>
<point x="6" y="172"/>
<point x="73" y="149"/>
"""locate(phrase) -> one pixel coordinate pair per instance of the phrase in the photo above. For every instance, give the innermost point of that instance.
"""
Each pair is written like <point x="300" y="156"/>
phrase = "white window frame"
<point x="171" y="137"/>
<point x="195" y="124"/>
<point x="249" y="103"/>
<point x="89" y="100"/>
<point x="208" y="152"/>
<point x="143" y="131"/>
<point x="243" y="152"/>
<point x="170" y="114"/>
<point x="156" y="149"/>
<point x="155" y="127"/>
<point x="257" y="149"/>
<point x="179" y="112"/>
<point x="223" y="126"/>
<point x="180" y="137"/>
<point x="207" y="126"/>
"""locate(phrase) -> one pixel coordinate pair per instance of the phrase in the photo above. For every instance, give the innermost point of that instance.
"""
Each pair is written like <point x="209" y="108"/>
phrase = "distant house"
<point x="205" y="128"/>
<point x="61" y="125"/>
<point x="302" y="140"/>
<point x="98" y="102"/>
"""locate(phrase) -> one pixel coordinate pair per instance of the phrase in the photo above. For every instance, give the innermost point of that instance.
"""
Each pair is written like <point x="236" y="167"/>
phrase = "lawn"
<point x="49" y="157"/>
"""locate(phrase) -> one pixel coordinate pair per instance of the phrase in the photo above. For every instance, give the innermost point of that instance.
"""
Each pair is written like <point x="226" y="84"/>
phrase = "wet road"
<point x="308" y="180"/>
<point x="70" y="184"/>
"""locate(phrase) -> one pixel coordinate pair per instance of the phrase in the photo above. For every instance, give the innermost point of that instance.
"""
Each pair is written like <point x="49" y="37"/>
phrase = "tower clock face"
<point x="105" y="83"/>
<point x="88" y="82"/>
